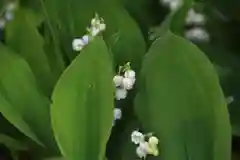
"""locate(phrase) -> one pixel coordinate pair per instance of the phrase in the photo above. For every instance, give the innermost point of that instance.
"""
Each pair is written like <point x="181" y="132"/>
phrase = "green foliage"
<point x="181" y="101"/>
<point x="60" y="100"/>
<point x="22" y="99"/>
<point x="82" y="109"/>
<point x="21" y="32"/>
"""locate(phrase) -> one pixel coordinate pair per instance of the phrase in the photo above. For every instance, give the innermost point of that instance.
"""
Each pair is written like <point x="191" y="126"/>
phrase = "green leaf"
<point x="122" y="39"/>
<point x="12" y="144"/>
<point x="22" y="36"/>
<point x="181" y="101"/>
<point x="82" y="109"/>
<point x="19" y="87"/>
<point x="16" y="119"/>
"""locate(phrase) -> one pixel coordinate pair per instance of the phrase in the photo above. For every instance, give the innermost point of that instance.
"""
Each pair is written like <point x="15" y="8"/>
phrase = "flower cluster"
<point x="147" y="144"/>
<point x="124" y="82"/>
<point x="7" y="13"/>
<point x="97" y="26"/>
<point x="172" y="4"/>
<point x="197" y="33"/>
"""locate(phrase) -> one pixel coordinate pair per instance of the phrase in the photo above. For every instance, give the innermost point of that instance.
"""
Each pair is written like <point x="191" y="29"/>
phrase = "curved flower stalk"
<point x="147" y="144"/>
<point x="97" y="26"/>
<point x="7" y="13"/>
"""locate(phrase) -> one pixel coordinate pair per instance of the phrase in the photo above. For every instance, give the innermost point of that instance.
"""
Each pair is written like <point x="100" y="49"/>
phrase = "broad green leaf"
<point x="229" y="67"/>
<point x="82" y="109"/>
<point x="22" y="36"/>
<point x="181" y="101"/>
<point x="16" y="119"/>
<point x="122" y="39"/>
<point x="19" y="87"/>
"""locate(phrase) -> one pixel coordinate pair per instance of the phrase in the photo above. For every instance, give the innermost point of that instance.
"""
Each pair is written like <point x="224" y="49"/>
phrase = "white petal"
<point x="175" y="4"/>
<point x="197" y="34"/>
<point x="137" y="137"/>
<point x="195" y="18"/>
<point x="128" y="83"/>
<point x="117" y="113"/>
<point x="141" y="152"/>
<point x="130" y="74"/>
<point x="85" y="39"/>
<point x="2" y="23"/>
<point x="153" y="140"/>
<point x="9" y="15"/>
<point x="117" y="80"/>
<point x="121" y="93"/>
<point x="77" y="44"/>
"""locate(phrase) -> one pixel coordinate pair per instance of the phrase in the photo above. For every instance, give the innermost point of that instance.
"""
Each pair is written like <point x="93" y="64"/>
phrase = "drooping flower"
<point x="117" y="113"/>
<point x="121" y="93"/>
<point x="197" y="34"/>
<point x="130" y="74"/>
<point x="78" y="44"/>
<point x="117" y="80"/>
<point x="142" y="150"/>
<point x="137" y="137"/>
<point x="97" y="26"/>
<point x="194" y="18"/>
<point x="128" y="83"/>
<point x="86" y="39"/>
<point x="145" y="148"/>
<point x="172" y="4"/>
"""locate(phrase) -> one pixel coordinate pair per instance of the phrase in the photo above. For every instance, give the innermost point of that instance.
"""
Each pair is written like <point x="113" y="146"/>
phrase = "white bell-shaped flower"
<point x="175" y="4"/>
<point x="195" y="18"/>
<point x="137" y="137"/>
<point x="153" y="140"/>
<point x="197" y="34"/>
<point x="141" y="152"/>
<point x="121" y="93"/>
<point x="86" y="39"/>
<point x="117" y="113"/>
<point x="172" y="4"/>
<point x="117" y="80"/>
<point x="77" y="44"/>
<point x="9" y="15"/>
<point x="128" y="83"/>
<point x="130" y="74"/>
